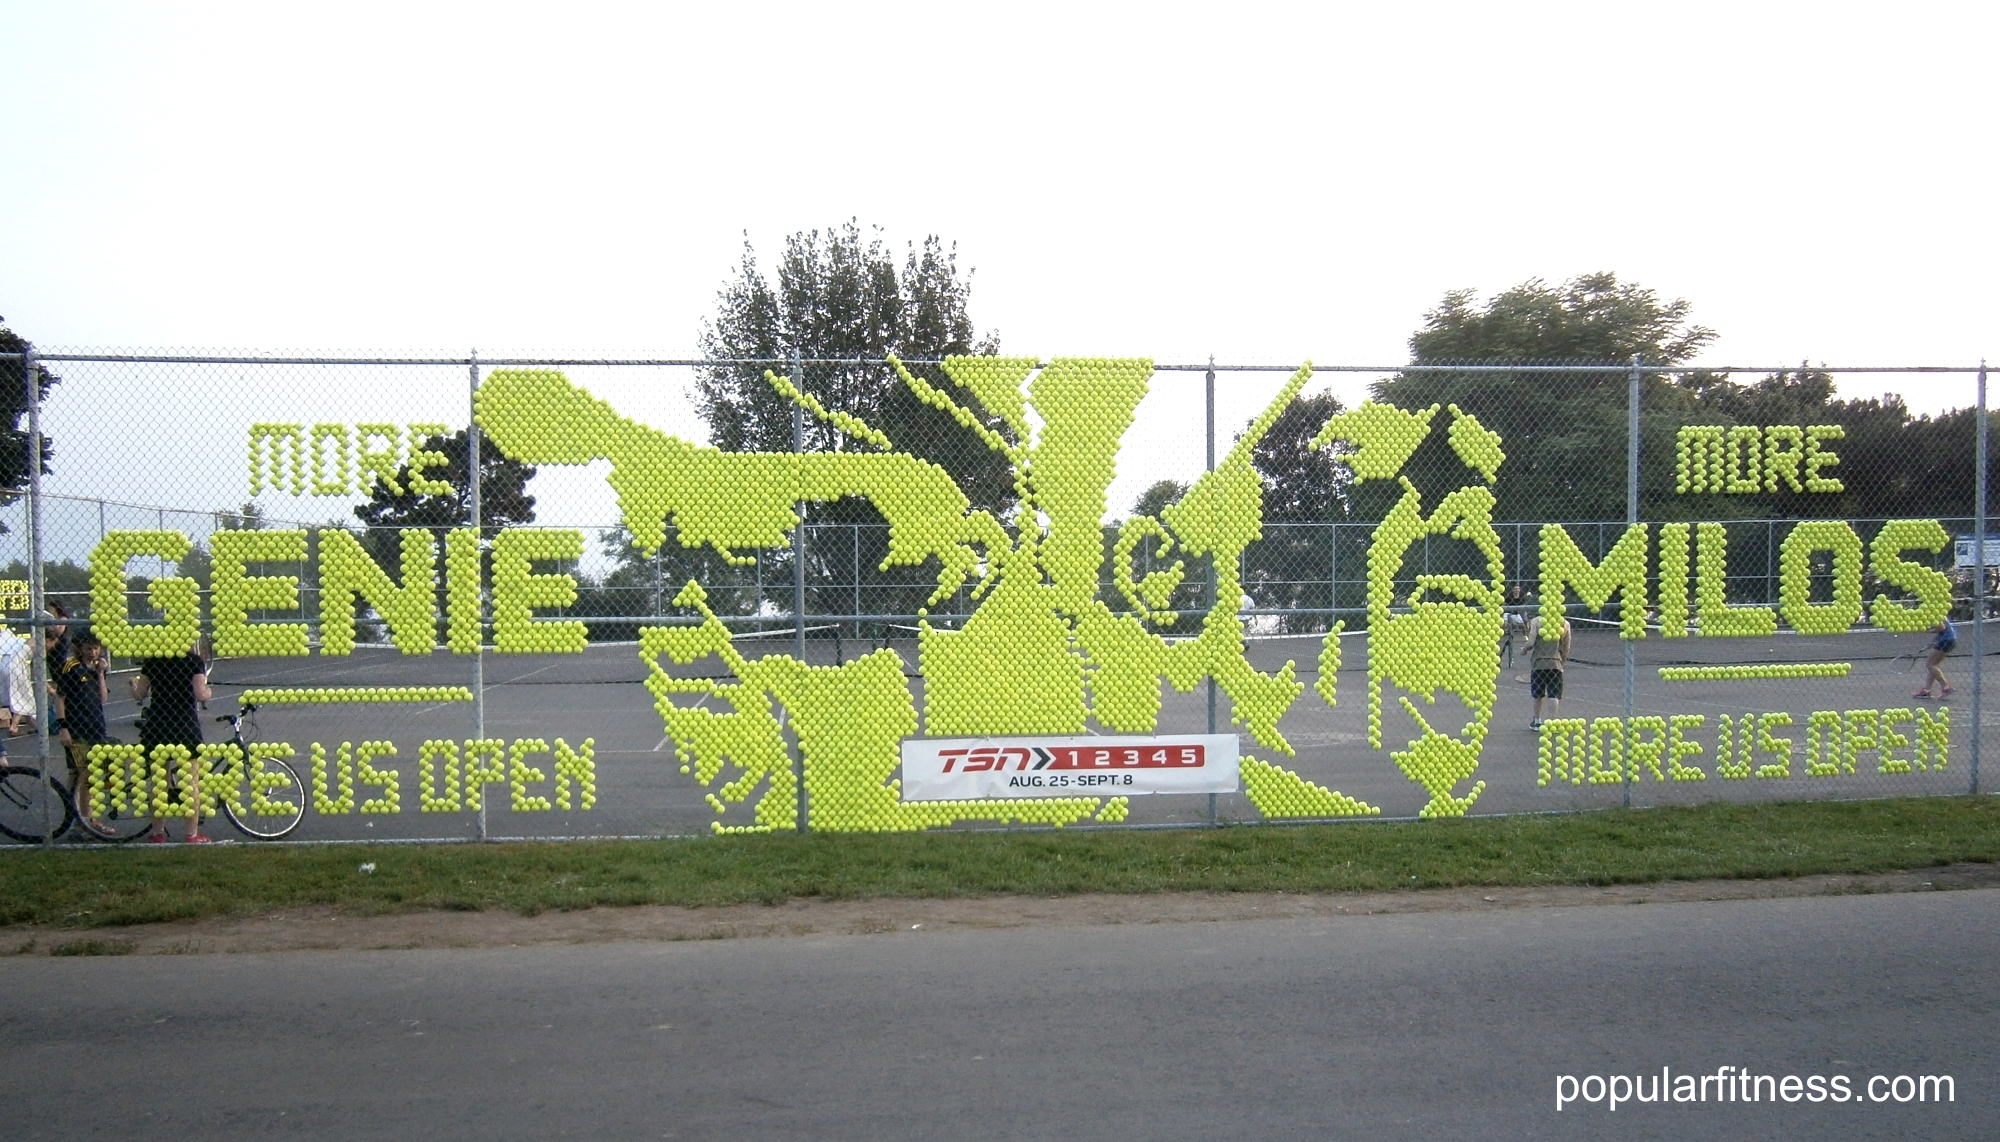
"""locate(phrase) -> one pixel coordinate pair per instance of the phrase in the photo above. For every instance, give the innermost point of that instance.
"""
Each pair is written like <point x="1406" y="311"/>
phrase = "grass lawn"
<point x="82" y="889"/>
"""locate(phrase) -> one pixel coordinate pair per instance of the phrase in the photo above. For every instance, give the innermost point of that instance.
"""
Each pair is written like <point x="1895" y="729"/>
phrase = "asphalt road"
<point x="1436" y="1025"/>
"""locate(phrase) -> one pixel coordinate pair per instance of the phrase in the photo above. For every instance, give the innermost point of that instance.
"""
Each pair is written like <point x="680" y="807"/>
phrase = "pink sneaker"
<point x="1921" y="694"/>
<point x="156" y="838"/>
<point x="198" y="839"/>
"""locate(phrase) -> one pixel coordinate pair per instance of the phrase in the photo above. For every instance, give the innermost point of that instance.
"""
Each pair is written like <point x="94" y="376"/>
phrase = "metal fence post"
<point x="1210" y="435"/>
<point x="1631" y="517"/>
<point x="799" y="575"/>
<point x="1978" y="574"/>
<point x="479" y="544"/>
<point x="37" y="607"/>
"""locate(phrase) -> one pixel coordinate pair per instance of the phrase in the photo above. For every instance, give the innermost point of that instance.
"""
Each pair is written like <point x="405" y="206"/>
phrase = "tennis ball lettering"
<point x="1744" y="459"/>
<point x="120" y="776"/>
<point x="347" y="573"/>
<point x="344" y="460"/>
<point x="1567" y="572"/>
<point x="1609" y="751"/>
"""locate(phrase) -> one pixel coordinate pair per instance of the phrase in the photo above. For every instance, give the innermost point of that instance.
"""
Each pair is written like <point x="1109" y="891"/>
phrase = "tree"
<point x="1305" y="489"/>
<point x="503" y="502"/>
<point x="14" y="415"/>
<point x="838" y="298"/>
<point x="249" y="517"/>
<point x="1564" y="433"/>
<point x="1892" y="463"/>
<point x="1162" y="493"/>
<point x="503" y="493"/>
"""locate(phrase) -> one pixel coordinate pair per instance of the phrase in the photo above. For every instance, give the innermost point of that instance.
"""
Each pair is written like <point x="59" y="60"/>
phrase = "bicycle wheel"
<point x="115" y="827"/>
<point x="28" y="802"/>
<point x="291" y="793"/>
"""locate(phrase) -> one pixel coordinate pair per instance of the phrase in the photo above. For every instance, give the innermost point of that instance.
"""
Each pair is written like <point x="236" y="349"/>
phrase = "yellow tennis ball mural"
<point x="1042" y="652"/>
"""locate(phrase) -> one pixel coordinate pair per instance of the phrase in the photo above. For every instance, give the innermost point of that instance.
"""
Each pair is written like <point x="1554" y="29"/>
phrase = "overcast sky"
<point x="1259" y="183"/>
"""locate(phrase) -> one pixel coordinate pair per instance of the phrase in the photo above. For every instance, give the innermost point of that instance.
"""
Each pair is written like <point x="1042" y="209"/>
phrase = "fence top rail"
<point x="60" y="355"/>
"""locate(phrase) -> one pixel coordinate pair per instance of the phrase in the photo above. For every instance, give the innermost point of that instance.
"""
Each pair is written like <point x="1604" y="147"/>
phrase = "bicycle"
<point x="24" y="803"/>
<point x="281" y="787"/>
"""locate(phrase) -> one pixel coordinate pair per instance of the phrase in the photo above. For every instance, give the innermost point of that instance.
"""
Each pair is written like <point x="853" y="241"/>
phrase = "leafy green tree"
<point x="64" y="580"/>
<point x="841" y="300"/>
<point x="503" y="495"/>
<point x="1162" y="493"/>
<point x="1305" y="489"/>
<point x="14" y="416"/>
<point x="503" y="502"/>
<point x="1892" y="463"/>
<point x="1564" y="433"/>
<point x="839" y="297"/>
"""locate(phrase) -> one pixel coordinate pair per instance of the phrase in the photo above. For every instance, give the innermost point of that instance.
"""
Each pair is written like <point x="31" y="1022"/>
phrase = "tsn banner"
<point x="955" y="769"/>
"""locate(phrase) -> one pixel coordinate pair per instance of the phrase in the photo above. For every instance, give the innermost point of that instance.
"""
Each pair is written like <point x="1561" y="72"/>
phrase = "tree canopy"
<point x="840" y="297"/>
<point x="1565" y="433"/>
<point x="842" y="301"/>
<point x="503" y="491"/>
<point x="14" y="415"/>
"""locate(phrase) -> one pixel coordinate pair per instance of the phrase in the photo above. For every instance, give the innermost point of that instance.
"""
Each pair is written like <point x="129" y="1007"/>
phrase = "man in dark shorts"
<point x="1548" y="655"/>
<point x="176" y="685"/>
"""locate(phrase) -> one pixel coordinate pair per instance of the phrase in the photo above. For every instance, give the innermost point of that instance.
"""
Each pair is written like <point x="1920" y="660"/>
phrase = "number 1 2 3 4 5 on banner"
<point x="950" y="769"/>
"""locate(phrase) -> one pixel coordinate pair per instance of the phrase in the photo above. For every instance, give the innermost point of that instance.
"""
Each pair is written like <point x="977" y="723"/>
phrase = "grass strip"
<point x="91" y="888"/>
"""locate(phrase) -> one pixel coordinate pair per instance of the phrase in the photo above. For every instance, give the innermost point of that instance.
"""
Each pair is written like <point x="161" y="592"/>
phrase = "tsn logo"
<point x="993" y="758"/>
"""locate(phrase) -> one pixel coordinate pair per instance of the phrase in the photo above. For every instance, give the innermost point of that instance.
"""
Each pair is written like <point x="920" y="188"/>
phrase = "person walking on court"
<point x="1548" y="654"/>
<point x="1944" y="640"/>
<point x="175" y="684"/>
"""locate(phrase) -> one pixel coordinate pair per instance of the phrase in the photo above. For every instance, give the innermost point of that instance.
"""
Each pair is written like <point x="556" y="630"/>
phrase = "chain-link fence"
<point x="1783" y="559"/>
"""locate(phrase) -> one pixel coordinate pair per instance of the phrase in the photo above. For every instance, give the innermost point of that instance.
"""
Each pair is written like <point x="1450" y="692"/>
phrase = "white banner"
<point x="959" y="769"/>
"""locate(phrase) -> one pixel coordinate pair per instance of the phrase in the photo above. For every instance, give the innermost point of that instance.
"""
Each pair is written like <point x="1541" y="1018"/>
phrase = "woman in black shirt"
<point x="176" y="685"/>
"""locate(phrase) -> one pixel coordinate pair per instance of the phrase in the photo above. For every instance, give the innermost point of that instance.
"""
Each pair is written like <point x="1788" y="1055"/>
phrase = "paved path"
<point x="1439" y="1025"/>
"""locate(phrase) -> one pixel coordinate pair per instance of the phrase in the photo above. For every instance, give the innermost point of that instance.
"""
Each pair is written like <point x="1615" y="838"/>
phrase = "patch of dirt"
<point x="323" y="929"/>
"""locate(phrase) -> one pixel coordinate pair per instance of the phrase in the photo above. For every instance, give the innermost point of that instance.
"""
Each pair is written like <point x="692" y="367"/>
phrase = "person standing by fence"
<point x="1548" y="656"/>
<point x="176" y="685"/>
<point x="81" y="691"/>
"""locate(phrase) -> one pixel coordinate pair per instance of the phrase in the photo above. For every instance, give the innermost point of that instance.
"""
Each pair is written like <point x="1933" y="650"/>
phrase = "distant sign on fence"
<point x="1965" y="551"/>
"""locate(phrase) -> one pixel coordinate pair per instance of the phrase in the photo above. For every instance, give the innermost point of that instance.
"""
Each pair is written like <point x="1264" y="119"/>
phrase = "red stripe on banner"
<point x="1189" y="756"/>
